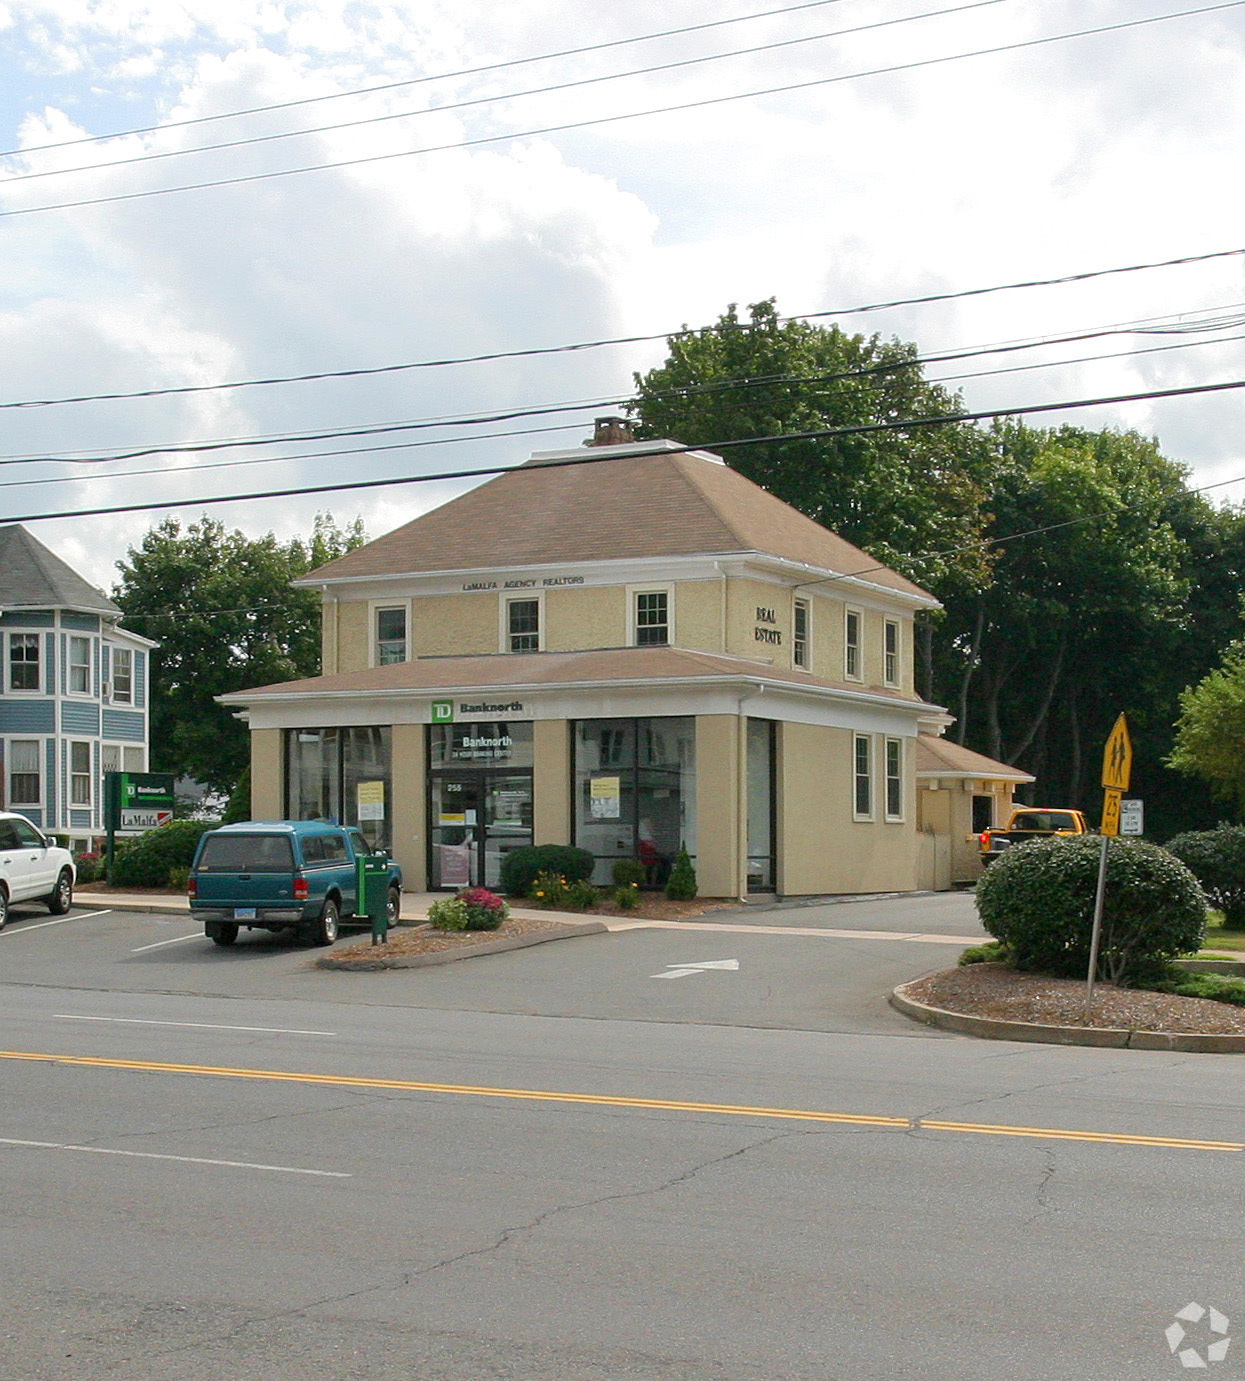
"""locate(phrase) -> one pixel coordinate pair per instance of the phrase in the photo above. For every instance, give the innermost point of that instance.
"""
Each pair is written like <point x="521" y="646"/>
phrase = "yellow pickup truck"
<point x="1030" y="822"/>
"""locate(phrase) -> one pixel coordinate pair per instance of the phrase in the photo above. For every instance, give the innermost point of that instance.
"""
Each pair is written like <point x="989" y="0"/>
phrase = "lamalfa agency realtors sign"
<point x="137" y="801"/>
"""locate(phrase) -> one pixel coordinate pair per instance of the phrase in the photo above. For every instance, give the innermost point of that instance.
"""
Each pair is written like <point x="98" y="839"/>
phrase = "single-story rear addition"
<point x="628" y="648"/>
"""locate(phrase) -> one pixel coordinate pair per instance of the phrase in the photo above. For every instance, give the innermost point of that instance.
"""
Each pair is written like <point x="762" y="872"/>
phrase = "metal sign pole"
<point x="1096" y="936"/>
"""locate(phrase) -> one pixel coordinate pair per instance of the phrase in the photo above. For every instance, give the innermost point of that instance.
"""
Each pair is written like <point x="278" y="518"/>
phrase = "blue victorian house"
<point x="73" y="691"/>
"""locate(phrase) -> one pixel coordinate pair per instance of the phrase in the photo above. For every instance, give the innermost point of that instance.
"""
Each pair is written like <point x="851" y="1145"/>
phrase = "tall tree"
<point x="910" y="497"/>
<point x="222" y="609"/>
<point x="1211" y="730"/>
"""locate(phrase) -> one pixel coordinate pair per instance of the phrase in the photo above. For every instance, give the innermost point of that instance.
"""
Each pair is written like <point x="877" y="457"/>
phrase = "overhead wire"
<point x="452" y="75"/>
<point x="1060" y="280"/>
<point x="821" y="433"/>
<point x="1144" y="326"/>
<point x="153" y="156"/>
<point x="539" y="431"/>
<point x="599" y="121"/>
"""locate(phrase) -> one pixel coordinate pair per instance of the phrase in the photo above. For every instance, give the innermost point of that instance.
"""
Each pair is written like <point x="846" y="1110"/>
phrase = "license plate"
<point x="244" y="913"/>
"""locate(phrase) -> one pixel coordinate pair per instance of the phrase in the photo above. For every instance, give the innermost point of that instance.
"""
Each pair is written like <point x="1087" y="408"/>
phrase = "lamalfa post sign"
<point x="135" y="802"/>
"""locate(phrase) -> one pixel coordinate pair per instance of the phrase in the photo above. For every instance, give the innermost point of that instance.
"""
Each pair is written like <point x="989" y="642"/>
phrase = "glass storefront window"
<point x="635" y="792"/>
<point x="343" y="775"/>
<point x="761" y="834"/>
<point x="481" y="745"/>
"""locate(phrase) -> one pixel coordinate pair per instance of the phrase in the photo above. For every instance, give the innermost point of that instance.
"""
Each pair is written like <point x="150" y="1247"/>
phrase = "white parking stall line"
<point x="194" y="1025"/>
<point x="184" y="1160"/>
<point x="21" y="930"/>
<point x="160" y="944"/>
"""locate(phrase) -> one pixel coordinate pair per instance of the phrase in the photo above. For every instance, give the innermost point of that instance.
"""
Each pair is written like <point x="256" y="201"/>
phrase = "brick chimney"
<point x="612" y="431"/>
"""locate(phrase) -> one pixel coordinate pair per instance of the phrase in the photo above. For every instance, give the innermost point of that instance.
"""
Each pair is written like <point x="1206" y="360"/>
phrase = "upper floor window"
<point x="390" y="636"/>
<point x="122" y="676"/>
<point x="853" y="664"/>
<point x="523" y="625"/>
<point x="80" y="666"/>
<point x="890" y="653"/>
<point x="24" y="776"/>
<point x="652" y="618"/>
<point x="799" y="636"/>
<point x="24" y="661"/>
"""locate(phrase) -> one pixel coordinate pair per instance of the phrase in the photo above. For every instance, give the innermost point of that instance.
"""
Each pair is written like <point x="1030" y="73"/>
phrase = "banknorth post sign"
<point x="137" y="801"/>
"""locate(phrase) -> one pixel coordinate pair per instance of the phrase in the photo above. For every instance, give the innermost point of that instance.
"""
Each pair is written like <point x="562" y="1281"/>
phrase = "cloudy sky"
<point x="488" y="198"/>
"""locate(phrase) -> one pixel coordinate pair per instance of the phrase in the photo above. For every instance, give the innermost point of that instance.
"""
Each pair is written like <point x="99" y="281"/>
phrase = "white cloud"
<point x="1048" y="160"/>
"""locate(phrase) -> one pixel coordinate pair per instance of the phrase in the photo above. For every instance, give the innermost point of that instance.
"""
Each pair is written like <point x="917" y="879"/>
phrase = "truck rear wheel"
<point x="324" y="929"/>
<point x="224" y="933"/>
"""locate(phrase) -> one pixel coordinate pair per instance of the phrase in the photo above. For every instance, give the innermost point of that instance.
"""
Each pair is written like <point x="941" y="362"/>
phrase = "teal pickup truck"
<point x="283" y="875"/>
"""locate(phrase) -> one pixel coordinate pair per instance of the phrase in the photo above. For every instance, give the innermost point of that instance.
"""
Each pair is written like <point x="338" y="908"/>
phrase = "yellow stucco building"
<point x="628" y="648"/>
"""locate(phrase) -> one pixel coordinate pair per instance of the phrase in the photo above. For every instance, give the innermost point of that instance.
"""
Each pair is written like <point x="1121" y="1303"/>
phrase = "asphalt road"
<point x="558" y="1163"/>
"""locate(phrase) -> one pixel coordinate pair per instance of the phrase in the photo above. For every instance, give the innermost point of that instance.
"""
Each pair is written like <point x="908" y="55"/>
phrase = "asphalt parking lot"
<point x="816" y="967"/>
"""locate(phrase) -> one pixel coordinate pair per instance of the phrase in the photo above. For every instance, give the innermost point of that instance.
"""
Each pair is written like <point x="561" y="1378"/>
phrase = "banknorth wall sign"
<point x="454" y="711"/>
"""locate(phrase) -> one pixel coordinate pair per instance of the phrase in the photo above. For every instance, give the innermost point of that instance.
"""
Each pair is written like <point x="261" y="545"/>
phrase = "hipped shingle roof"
<point x="32" y="577"/>
<point x="620" y="503"/>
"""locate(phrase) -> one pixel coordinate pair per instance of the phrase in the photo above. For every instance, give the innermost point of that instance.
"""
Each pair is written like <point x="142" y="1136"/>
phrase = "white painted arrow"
<point x="686" y="970"/>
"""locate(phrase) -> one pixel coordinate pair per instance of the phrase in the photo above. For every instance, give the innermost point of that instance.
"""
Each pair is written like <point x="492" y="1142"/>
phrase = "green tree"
<point x="1211" y="730"/>
<point x="222" y="609"/>
<point x="1093" y="607"/>
<point x="909" y="497"/>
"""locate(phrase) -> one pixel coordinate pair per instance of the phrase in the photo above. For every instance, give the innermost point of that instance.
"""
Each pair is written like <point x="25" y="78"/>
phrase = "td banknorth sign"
<point x="457" y="711"/>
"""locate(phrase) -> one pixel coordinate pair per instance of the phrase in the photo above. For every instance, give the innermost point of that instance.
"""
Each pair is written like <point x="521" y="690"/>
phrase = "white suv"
<point x="32" y="868"/>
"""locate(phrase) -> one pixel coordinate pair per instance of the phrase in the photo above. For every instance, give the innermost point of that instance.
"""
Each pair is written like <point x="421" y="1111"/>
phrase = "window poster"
<point x="371" y="798"/>
<point x="604" y="797"/>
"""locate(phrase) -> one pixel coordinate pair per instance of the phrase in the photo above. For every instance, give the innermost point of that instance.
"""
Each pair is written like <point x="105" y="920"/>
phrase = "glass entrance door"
<point x="475" y="819"/>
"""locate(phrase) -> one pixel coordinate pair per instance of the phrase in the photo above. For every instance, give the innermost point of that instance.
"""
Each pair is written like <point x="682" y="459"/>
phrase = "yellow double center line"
<point x="904" y="1124"/>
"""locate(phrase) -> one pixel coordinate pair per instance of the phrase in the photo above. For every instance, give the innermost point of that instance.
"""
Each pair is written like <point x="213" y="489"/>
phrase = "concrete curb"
<point x="448" y="956"/>
<point x="986" y="1028"/>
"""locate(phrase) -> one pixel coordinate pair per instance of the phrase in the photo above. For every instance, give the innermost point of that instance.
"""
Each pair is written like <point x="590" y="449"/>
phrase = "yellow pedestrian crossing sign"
<point x="1117" y="757"/>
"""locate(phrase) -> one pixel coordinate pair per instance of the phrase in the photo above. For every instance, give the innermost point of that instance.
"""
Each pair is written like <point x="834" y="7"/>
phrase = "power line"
<point x="820" y="434"/>
<point x="551" y="89"/>
<point x="563" y="427"/>
<point x="417" y="81"/>
<point x="578" y="346"/>
<point x="599" y="121"/>
<point x="1142" y="327"/>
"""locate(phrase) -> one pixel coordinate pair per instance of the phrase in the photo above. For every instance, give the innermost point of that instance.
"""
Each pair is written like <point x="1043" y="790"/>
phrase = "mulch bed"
<point x="1001" y="994"/>
<point x="406" y="942"/>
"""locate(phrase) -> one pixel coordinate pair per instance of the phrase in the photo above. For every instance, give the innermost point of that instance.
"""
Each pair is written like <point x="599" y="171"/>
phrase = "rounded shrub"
<point x="1217" y="859"/>
<point x="629" y="872"/>
<point x="474" y="908"/>
<point x="151" y="859"/>
<point x="1037" y="899"/>
<point x="520" y="866"/>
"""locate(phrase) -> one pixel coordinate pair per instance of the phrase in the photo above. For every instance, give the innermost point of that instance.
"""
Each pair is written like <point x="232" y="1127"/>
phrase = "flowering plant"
<point x="485" y="909"/>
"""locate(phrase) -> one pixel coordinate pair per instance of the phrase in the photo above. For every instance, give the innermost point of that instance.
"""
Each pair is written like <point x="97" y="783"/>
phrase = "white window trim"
<point x="859" y="673"/>
<point x="796" y="602"/>
<point x="503" y="618"/>
<point x="858" y="738"/>
<point x="113" y="651"/>
<point x="42" y="663"/>
<point x="70" y="665"/>
<point x="89" y="774"/>
<point x="40" y="772"/>
<point x="897" y="678"/>
<point x="886" y="780"/>
<point x="657" y="589"/>
<point x="373" y="642"/>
